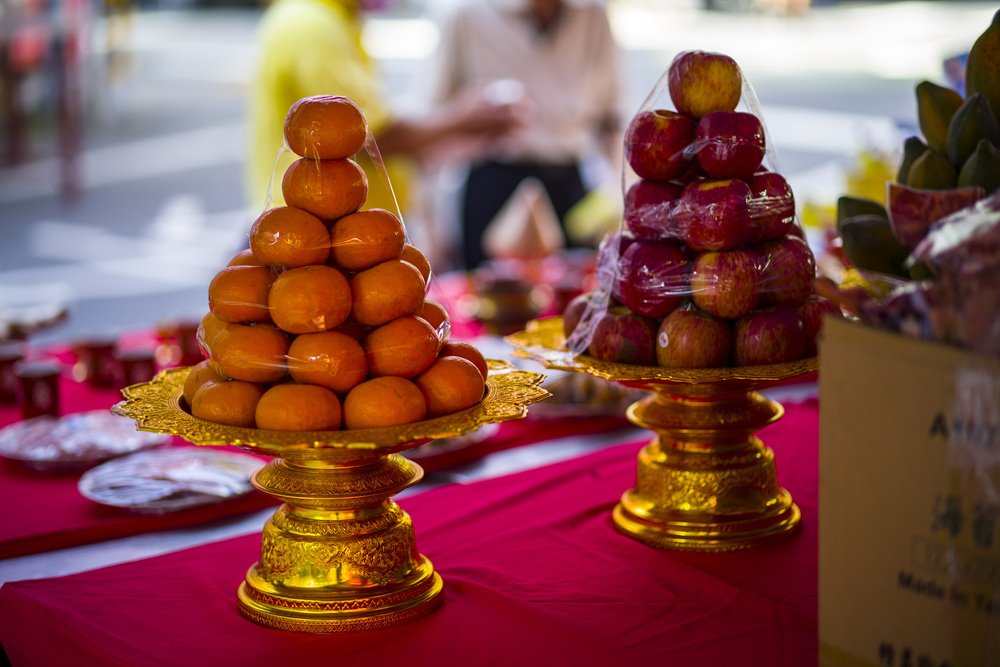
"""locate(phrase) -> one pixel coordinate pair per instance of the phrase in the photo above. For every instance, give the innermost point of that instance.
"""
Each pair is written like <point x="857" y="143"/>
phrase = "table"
<point x="534" y="574"/>
<point x="47" y="528"/>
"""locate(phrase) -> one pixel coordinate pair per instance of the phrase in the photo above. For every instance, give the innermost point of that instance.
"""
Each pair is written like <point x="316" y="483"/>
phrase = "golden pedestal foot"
<point x="705" y="482"/>
<point x="339" y="555"/>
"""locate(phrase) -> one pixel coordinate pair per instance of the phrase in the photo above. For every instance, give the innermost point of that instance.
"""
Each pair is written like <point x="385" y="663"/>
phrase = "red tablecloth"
<point x="534" y="572"/>
<point x="510" y="435"/>
<point x="40" y="512"/>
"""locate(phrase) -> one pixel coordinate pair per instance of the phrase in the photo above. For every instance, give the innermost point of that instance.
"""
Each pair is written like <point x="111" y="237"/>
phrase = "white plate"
<point x="75" y="441"/>
<point x="166" y="480"/>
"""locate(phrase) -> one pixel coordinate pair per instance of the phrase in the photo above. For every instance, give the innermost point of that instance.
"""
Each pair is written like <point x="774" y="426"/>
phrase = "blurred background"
<point x="123" y="144"/>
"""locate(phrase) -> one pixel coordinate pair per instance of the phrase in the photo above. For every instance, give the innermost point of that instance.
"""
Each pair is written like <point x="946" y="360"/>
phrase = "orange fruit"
<point x="366" y="238"/>
<point x="227" y="402"/>
<point x="298" y="407"/>
<point x="239" y="293"/>
<point x="413" y="255"/>
<point x="325" y="127"/>
<point x="289" y="237"/>
<point x="383" y="401"/>
<point x="245" y="257"/>
<point x="449" y="385"/>
<point x="387" y="291"/>
<point x="328" y="358"/>
<point x="208" y="329"/>
<point x="469" y="353"/>
<point x="309" y="299"/>
<point x="251" y="352"/>
<point x="353" y="329"/>
<point x="434" y="313"/>
<point x="199" y="374"/>
<point x="403" y="347"/>
<point x="328" y="189"/>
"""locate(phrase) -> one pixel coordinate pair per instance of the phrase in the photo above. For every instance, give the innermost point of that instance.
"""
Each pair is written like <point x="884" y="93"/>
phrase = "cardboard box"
<point x="909" y="548"/>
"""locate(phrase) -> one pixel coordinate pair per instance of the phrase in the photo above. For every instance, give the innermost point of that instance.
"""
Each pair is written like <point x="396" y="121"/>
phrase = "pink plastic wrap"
<point x="709" y="267"/>
<point x="324" y="322"/>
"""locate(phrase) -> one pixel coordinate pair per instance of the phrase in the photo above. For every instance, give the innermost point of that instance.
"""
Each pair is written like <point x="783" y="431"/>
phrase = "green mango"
<point x="935" y="107"/>
<point x="913" y="148"/>
<point x="982" y="168"/>
<point x="932" y="171"/>
<point x="973" y="121"/>
<point x="868" y="242"/>
<point x="982" y="69"/>
<point x="848" y="207"/>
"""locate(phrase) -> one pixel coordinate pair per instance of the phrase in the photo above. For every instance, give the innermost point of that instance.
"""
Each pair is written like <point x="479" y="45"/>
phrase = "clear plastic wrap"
<point x="959" y="304"/>
<point x="329" y="304"/>
<point x="709" y="266"/>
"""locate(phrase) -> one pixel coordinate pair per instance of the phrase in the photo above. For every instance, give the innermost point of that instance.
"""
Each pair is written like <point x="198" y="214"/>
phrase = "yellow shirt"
<point x="312" y="47"/>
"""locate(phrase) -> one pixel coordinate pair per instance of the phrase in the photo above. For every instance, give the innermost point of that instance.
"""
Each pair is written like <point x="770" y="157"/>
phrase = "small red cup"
<point x="96" y="361"/>
<point x="10" y="355"/>
<point x="137" y="365"/>
<point x="38" y="388"/>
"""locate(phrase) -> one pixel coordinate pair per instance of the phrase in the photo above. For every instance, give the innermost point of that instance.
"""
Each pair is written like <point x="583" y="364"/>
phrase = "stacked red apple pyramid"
<point x="323" y="323"/>
<point x="713" y="270"/>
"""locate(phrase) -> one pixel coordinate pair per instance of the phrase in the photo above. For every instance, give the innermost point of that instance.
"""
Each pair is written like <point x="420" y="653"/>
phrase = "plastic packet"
<point x="709" y="267"/>
<point x="959" y="305"/>
<point x="330" y="294"/>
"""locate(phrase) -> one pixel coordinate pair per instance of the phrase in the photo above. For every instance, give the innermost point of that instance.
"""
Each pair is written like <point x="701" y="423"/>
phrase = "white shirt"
<point x="570" y="75"/>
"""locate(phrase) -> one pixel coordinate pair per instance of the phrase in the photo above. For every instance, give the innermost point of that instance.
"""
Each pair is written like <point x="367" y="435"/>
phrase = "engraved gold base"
<point x="339" y="555"/>
<point x="705" y="482"/>
<point x="282" y="610"/>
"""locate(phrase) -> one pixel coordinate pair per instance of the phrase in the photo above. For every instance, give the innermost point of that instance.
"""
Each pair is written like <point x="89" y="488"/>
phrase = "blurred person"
<point x="314" y="47"/>
<point x="558" y="59"/>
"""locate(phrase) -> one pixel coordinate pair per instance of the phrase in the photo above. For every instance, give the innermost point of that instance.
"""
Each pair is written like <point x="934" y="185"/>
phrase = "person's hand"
<point x="490" y="112"/>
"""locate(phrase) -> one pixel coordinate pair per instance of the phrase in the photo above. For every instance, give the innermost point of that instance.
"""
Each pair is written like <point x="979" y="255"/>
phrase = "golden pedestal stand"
<point x="704" y="482"/>
<point x="339" y="555"/>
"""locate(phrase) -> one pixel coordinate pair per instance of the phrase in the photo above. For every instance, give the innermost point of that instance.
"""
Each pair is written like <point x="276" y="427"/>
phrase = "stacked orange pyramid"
<point x="323" y="323"/>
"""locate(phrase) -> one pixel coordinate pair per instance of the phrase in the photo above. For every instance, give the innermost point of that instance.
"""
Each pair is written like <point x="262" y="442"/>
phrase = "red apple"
<point x="769" y="337"/>
<point x="574" y="312"/>
<point x="694" y="173"/>
<point x="653" y="278"/>
<point x="689" y="338"/>
<point x="701" y="82"/>
<point x="729" y="144"/>
<point x="655" y="143"/>
<point x="713" y="215"/>
<point x="609" y="254"/>
<point x="787" y="272"/>
<point x="624" y="337"/>
<point x="772" y="205"/>
<point x="812" y="313"/>
<point x="724" y="283"/>
<point x="647" y="210"/>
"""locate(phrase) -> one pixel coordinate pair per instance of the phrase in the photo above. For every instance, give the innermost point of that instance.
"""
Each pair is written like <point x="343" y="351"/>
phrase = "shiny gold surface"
<point x="705" y="482"/>
<point x="339" y="555"/>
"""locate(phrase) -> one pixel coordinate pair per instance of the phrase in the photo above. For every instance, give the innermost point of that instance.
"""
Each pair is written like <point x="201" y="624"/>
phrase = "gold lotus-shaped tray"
<point x="157" y="406"/>
<point x="543" y="340"/>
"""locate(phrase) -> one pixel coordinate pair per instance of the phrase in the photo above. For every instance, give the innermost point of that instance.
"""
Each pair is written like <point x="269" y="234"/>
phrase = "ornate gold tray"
<point x="704" y="482"/>
<point x="340" y="554"/>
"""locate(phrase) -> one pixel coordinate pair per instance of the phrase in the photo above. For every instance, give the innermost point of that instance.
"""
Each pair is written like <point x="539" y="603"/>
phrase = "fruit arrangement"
<point x="924" y="264"/>
<point x="955" y="164"/>
<point x="710" y="268"/>
<point x="323" y="322"/>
